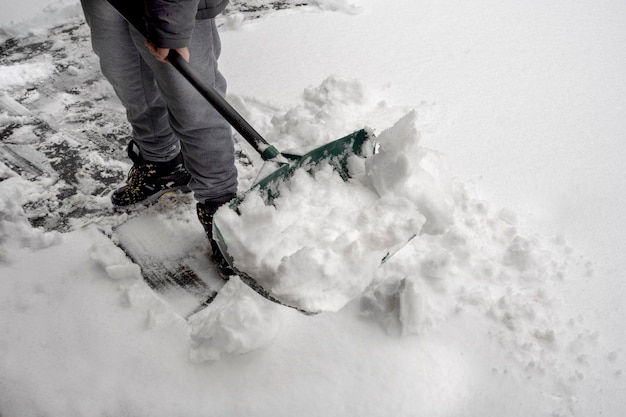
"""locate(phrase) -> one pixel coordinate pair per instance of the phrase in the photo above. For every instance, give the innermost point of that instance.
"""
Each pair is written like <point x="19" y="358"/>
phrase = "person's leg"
<point x="132" y="80"/>
<point x="205" y="136"/>
<point x="156" y="113"/>
<point x="167" y="114"/>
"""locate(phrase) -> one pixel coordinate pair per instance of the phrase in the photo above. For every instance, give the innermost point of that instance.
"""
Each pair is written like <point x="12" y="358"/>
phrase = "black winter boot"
<point x="206" y="211"/>
<point x="147" y="181"/>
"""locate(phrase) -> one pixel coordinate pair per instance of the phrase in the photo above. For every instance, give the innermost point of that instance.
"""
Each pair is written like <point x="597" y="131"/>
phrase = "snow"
<point x="19" y="18"/>
<point x="25" y="74"/>
<point x="238" y="321"/>
<point x="500" y="131"/>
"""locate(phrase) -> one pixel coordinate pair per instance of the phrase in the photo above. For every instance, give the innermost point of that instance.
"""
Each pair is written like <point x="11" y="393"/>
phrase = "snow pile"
<point x="236" y="322"/>
<point x="481" y="262"/>
<point x="326" y="112"/>
<point x="320" y="245"/>
<point x="485" y="267"/>
<point x="320" y="242"/>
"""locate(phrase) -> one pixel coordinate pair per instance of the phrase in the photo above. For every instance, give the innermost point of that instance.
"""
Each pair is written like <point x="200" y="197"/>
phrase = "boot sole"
<point x="155" y="197"/>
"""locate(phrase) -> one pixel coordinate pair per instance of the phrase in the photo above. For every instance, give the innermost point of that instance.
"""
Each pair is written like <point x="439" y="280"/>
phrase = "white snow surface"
<point x="500" y="126"/>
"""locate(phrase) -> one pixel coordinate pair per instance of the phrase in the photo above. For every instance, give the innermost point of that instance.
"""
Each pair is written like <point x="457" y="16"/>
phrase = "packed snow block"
<point x="121" y="272"/>
<point x="237" y="321"/>
<point x="405" y="169"/>
<point x="397" y="305"/>
<point x="411" y="310"/>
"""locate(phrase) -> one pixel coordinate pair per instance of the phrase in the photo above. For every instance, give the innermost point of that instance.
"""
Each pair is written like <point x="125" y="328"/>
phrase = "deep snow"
<point x="491" y="316"/>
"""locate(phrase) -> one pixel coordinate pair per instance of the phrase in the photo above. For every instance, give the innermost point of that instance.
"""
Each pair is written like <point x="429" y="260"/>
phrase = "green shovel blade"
<point x="336" y="153"/>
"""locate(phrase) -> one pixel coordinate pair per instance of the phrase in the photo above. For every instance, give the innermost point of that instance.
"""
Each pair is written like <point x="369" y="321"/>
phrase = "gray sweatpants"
<point x="166" y="114"/>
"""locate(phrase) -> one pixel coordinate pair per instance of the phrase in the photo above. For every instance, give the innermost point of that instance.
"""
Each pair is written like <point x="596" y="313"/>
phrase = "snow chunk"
<point x="15" y="229"/>
<point x="236" y="322"/>
<point x="326" y="112"/>
<point x="398" y="305"/>
<point x="403" y="168"/>
<point x="232" y="21"/>
<point x="330" y="105"/>
<point x="24" y="73"/>
<point x="337" y="6"/>
<point x="120" y="272"/>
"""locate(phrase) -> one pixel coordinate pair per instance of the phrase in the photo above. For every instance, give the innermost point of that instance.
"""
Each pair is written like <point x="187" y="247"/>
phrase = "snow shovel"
<point x="336" y="153"/>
